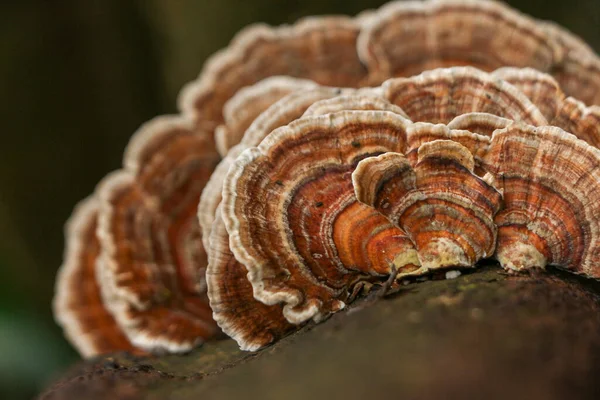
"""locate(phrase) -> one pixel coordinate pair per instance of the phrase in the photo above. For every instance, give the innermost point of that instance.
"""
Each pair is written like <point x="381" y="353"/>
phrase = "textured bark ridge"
<point x="483" y="335"/>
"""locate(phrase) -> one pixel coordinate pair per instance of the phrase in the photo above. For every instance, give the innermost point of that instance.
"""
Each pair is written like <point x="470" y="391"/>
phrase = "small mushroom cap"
<point x="251" y="323"/>
<point x="479" y="123"/>
<point x="152" y="261"/>
<point x="445" y="209"/>
<point x="550" y="182"/>
<point x="441" y="95"/>
<point x="294" y="240"/>
<point x="77" y="305"/>
<point x="420" y="133"/>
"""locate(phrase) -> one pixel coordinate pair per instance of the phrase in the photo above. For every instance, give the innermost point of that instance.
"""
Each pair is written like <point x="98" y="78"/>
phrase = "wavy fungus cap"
<point x="134" y="263"/>
<point x="402" y="38"/>
<point x="152" y="259"/>
<point x="280" y="127"/>
<point x="78" y="303"/>
<point x="445" y="209"/>
<point x="333" y="201"/>
<point x="550" y="183"/>
<point x="406" y="38"/>
<point x="322" y="49"/>
<point x="302" y="174"/>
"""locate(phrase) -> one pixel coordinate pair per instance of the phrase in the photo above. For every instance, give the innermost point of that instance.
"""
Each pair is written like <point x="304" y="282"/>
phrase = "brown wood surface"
<point x="485" y="335"/>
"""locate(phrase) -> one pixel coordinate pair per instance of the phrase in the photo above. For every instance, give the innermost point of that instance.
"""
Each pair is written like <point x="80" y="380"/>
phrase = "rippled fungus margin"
<point x="320" y="164"/>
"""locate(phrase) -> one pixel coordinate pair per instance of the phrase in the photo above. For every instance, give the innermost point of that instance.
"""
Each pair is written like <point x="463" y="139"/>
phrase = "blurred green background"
<point x="77" y="78"/>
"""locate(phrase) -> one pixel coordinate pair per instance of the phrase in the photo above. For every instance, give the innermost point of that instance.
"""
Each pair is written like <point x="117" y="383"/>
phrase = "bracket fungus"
<point x="294" y="239"/>
<point x="304" y="209"/>
<point x="248" y="103"/>
<point x="550" y="184"/>
<point x="78" y="304"/>
<point x="140" y="247"/>
<point x="314" y="160"/>
<point x="446" y="210"/>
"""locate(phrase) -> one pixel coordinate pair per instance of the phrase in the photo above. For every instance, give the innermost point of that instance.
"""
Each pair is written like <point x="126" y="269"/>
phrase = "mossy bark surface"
<point x="485" y="335"/>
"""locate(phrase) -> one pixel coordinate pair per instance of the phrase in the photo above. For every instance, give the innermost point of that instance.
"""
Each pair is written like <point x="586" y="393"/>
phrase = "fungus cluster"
<point x="312" y="161"/>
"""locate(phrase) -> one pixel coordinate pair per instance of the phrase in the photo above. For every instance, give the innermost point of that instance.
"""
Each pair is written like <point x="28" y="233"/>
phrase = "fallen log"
<point x="483" y="335"/>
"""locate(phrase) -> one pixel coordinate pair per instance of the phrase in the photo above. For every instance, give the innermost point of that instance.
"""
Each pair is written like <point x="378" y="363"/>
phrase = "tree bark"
<point x="485" y="335"/>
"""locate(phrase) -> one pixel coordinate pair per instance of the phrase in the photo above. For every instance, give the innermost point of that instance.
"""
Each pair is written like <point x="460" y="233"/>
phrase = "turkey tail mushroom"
<point x="281" y="113"/>
<point x="248" y="103"/>
<point x="78" y="305"/>
<point x="564" y="112"/>
<point x="446" y="210"/>
<point x="448" y="167"/>
<point x="321" y="49"/>
<point x="421" y="132"/>
<point x="229" y="291"/>
<point x="288" y="206"/>
<point x="152" y="254"/>
<point x="550" y="183"/>
<point x="142" y="237"/>
<point x="249" y="322"/>
<point x="441" y="95"/>
<point x="578" y="71"/>
<point x="406" y="38"/>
